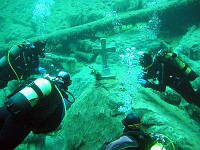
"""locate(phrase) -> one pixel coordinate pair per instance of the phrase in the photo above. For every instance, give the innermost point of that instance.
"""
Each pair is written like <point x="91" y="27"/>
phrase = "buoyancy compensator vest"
<point x="19" y="59"/>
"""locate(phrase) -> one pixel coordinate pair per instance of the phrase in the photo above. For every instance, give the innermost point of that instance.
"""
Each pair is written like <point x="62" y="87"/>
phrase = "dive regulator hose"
<point x="12" y="66"/>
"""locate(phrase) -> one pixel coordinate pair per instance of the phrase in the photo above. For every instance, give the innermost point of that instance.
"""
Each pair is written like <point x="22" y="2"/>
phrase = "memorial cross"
<point x="103" y="52"/>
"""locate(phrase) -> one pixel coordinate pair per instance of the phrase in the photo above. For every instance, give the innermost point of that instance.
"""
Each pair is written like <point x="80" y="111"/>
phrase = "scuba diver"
<point x="169" y="70"/>
<point x="135" y="139"/>
<point x="21" y="61"/>
<point x="38" y="106"/>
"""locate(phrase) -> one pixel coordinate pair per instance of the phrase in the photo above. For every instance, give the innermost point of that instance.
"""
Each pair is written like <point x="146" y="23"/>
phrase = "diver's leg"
<point x="12" y="133"/>
<point x="196" y="101"/>
<point x="186" y="90"/>
<point x="5" y="76"/>
<point x="3" y="115"/>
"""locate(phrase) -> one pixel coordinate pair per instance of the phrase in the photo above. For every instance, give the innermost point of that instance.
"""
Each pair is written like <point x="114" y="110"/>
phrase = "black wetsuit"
<point x="168" y="74"/>
<point x="144" y="141"/>
<point x="25" y="64"/>
<point x="44" y="117"/>
<point x="140" y="141"/>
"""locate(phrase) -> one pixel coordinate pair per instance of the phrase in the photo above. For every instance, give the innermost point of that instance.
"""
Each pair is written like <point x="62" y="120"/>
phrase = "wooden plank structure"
<point x="105" y="24"/>
<point x="88" y="30"/>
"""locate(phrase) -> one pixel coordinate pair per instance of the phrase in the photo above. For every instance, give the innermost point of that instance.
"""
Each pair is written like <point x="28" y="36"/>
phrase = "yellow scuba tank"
<point x="172" y="57"/>
<point x="163" y="143"/>
<point x="158" y="146"/>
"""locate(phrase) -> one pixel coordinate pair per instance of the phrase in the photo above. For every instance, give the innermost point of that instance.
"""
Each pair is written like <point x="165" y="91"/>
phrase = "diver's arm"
<point x="160" y="86"/>
<point x="156" y="87"/>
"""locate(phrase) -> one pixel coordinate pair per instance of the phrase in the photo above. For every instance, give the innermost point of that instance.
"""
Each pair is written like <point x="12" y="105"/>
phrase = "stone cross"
<point x="103" y="51"/>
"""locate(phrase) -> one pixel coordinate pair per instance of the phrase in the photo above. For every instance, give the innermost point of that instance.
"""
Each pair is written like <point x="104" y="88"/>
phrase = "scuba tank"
<point x="14" y="53"/>
<point x="29" y="99"/>
<point x="173" y="58"/>
<point x="162" y="142"/>
<point x="21" y="102"/>
<point x="158" y="146"/>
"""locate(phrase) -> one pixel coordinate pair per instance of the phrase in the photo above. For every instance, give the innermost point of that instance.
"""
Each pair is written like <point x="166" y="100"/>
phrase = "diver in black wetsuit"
<point x="37" y="106"/>
<point x="21" y="61"/>
<point x="169" y="70"/>
<point x="133" y="138"/>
